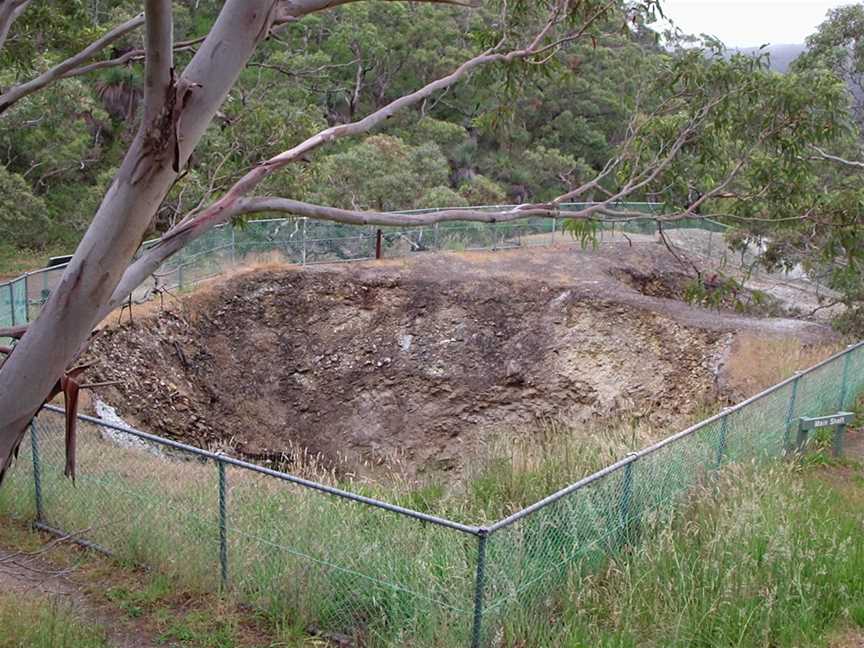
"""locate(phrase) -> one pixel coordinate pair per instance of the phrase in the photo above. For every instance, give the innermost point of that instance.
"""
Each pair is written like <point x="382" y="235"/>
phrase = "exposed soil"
<point x="32" y="576"/>
<point x="421" y="357"/>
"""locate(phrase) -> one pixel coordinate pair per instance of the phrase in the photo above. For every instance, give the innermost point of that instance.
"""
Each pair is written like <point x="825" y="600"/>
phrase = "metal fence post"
<point x="12" y="302"/>
<point x="180" y="276"/>
<point x="843" y="385"/>
<point x="479" y="589"/>
<point x="233" y="246"/>
<point x="223" y="525"/>
<point x="303" y="240"/>
<point x="791" y="411"/>
<point x="26" y="297"/>
<point x="37" y="473"/>
<point x="839" y="433"/>
<point x="626" y="501"/>
<point x="721" y="446"/>
<point x="554" y="226"/>
<point x="801" y="440"/>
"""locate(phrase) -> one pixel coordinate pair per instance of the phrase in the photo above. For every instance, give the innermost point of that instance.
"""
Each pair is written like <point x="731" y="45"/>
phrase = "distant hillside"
<point x="781" y="55"/>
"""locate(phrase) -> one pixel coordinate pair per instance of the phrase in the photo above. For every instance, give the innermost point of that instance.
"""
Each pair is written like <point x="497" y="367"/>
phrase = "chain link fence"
<point x="304" y="241"/>
<point x="360" y="571"/>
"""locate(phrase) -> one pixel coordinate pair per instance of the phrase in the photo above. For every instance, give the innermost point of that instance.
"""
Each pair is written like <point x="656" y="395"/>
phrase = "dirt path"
<point x="26" y="574"/>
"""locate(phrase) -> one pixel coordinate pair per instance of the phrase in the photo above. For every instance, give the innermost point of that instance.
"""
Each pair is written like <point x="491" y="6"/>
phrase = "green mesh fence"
<point x="305" y="241"/>
<point x="347" y="568"/>
<point x="13" y="302"/>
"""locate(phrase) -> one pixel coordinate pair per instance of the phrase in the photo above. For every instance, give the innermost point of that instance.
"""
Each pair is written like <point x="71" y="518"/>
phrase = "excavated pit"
<point x="418" y="359"/>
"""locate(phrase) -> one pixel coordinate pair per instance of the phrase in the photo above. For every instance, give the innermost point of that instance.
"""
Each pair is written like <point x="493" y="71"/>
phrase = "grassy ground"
<point x="764" y="554"/>
<point x="34" y="622"/>
<point x="98" y="602"/>
<point x="762" y="558"/>
<point x="14" y="261"/>
<point x="768" y="557"/>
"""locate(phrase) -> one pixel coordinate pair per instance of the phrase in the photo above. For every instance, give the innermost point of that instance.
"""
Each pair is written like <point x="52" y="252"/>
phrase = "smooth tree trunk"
<point x="177" y="112"/>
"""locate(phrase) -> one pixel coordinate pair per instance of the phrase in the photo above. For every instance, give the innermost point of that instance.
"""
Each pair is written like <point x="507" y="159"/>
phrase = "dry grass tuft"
<point x="756" y="362"/>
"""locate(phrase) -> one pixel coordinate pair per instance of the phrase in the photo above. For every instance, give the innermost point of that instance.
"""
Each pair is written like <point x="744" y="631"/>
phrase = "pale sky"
<point x="739" y="23"/>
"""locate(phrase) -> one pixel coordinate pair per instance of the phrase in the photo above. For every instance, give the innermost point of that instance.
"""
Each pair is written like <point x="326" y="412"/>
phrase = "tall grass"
<point x="29" y="622"/>
<point x="332" y="567"/>
<point x="757" y="361"/>
<point x="762" y="557"/>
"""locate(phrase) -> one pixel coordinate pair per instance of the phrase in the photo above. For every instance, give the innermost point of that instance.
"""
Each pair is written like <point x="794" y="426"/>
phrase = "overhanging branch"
<point x="16" y="93"/>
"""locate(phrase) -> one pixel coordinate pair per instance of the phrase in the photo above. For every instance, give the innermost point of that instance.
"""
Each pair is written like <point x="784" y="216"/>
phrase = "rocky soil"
<point x="419" y="358"/>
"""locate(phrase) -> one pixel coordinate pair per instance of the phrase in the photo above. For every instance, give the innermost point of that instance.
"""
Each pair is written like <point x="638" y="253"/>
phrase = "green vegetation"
<point x="488" y="144"/>
<point x="28" y="621"/>
<point x="342" y="569"/>
<point x="513" y="133"/>
<point x="761" y="557"/>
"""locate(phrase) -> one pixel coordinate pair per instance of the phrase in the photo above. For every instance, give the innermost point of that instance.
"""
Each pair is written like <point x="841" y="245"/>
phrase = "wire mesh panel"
<point x="143" y="503"/>
<point x="819" y="391"/>
<point x="45" y="282"/>
<point x="761" y="429"/>
<point x="19" y="300"/>
<point x="7" y="307"/>
<point x="529" y="560"/>
<point x="340" y="568"/>
<point x="285" y="237"/>
<point x="854" y="372"/>
<point x="17" y="495"/>
<point x="301" y="240"/>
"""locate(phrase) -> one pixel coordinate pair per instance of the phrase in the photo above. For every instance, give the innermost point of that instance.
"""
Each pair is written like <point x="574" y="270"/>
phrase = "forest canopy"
<point x="483" y="142"/>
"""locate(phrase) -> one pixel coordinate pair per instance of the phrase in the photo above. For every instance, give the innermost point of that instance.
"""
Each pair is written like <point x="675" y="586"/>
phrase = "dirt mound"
<point x="416" y="358"/>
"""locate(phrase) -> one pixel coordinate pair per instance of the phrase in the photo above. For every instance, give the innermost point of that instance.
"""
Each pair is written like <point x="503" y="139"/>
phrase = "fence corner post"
<point x="479" y="588"/>
<point x="37" y="474"/>
<point x="223" y="526"/>
<point x="721" y="446"/>
<point x="626" y="501"/>
<point x="790" y="413"/>
<point x="845" y="381"/>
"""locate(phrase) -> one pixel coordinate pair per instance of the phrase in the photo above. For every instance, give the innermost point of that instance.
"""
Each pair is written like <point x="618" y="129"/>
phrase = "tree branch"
<point x="824" y="155"/>
<point x="124" y="59"/>
<point x="159" y="63"/>
<point x="225" y="208"/>
<point x="16" y="93"/>
<point x="10" y="11"/>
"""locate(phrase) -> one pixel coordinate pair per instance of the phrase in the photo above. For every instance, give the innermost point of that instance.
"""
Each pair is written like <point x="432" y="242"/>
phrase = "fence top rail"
<point x="635" y="456"/>
<point x="225" y="459"/>
<point x="443" y="522"/>
<point x="152" y="242"/>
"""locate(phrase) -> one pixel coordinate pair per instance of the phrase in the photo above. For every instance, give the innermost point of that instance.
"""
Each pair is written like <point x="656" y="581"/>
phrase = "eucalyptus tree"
<point x="720" y="138"/>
